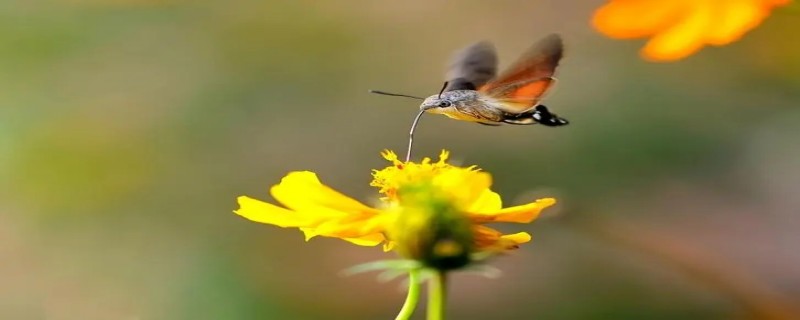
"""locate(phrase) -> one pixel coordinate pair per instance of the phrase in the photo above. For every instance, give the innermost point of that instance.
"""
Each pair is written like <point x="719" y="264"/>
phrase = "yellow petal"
<point x="682" y="39"/>
<point x="341" y="229"/>
<point x="443" y="156"/>
<point x="368" y="240"/>
<point x="316" y="209"/>
<point x="302" y="190"/>
<point x="517" y="238"/>
<point x="309" y="233"/>
<point x="636" y="18"/>
<point x="488" y="201"/>
<point x="510" y="241"/>
<point x="519" y="214"/>
<point x="350" y="227"/>
<point x="464" y="185"/>
<point x="263" y="212"/>
<point x="390" y="156"/>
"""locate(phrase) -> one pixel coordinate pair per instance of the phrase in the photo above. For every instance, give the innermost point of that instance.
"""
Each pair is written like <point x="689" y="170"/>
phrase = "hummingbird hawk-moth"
<point x="474" y="91"/>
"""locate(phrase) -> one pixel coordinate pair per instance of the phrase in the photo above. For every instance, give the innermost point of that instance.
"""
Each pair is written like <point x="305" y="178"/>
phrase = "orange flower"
<point x="679" y="28"/>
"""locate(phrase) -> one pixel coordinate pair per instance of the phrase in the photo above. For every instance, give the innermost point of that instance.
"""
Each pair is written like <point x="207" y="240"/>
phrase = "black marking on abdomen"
<point x="540" y="115"/>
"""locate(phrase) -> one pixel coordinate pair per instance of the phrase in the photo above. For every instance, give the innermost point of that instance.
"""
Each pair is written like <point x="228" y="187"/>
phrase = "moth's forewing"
<point x="522" y="85"/>
<point x="472" y="67"/>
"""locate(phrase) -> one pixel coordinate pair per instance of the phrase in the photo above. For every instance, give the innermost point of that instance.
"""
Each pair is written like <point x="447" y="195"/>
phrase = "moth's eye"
<point x="445" y="104"/>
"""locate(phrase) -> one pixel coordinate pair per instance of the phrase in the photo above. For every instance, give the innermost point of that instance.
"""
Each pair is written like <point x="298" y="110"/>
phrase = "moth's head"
<point x="436" y="101"/>
<point x="447" y="99"/>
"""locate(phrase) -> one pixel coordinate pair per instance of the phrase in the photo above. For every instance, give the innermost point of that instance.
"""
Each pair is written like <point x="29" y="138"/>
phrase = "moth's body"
<point x="475" y="93"/>
<point x="467" y="105"/>
<point x="473" y="106"/>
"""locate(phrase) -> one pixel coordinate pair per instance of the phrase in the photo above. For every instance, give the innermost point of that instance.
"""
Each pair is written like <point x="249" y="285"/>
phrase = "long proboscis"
<point x="411" y="132"/>
<point x="395" y="94"/>
<point x="416" y="119"/>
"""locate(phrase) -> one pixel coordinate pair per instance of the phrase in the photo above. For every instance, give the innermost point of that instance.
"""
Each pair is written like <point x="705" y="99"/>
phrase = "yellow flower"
<point x="318" y="210"/>
<point x="679" y="28"/>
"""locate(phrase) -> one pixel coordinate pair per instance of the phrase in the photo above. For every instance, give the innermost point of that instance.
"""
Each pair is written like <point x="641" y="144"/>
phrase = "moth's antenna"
<point x="444" y="86"/>
<point x="411" y="133"/>
<point x="395" y="94"/>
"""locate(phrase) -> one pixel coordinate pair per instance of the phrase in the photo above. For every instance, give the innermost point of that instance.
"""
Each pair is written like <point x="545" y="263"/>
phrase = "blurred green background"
<point x="128" y="128"/>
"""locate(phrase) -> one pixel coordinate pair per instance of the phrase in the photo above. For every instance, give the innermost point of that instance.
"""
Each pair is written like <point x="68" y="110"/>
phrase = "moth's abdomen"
<point x="539" y="115"/>
<point x="453" y="113"/>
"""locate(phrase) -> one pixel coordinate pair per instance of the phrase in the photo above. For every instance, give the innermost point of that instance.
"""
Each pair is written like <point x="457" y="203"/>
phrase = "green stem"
<point x="437" y="294"/>
<point x="413" y="296"/>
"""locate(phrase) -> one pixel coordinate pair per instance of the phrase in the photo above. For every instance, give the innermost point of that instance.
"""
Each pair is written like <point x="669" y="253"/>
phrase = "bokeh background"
<point x="129" y="127"/>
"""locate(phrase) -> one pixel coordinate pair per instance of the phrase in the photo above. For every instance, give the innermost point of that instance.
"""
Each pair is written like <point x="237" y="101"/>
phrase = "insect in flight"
<point x="474" y="92"/>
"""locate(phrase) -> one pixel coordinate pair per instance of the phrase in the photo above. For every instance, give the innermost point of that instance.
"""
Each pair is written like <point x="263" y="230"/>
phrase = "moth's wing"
<point x="526" y="80"/>
<point x="538" y="62"/>
<point x="472" y="67"/>
<point x="522" y="96"/>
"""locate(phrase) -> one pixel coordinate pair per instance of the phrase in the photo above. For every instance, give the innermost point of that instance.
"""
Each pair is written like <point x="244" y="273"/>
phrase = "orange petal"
<point x="733" y="19"/>
<point x="637" y="18"/>
<point x="488" y="239"/>
<point x="268" y="213"/>
<point x="519" y="214"/>
<point x="682" y="39"/>
<point x="484" y="236"/>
